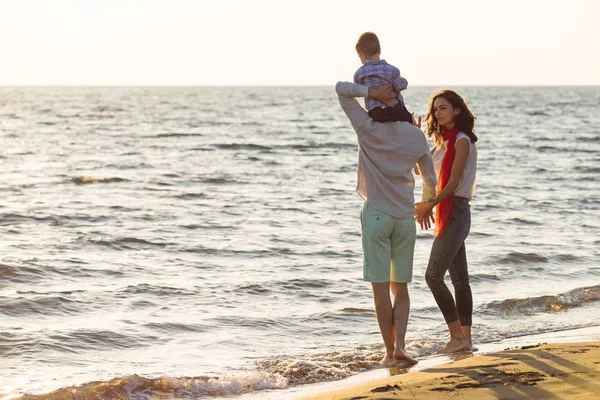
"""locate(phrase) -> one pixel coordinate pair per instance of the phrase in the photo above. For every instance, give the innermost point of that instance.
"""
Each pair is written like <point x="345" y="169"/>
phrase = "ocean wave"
<point x="210" y="227"/>
<point x="191" y="196"/>
<point x="220" y="181"/>
<point x="537" y="112"/>
<point x="550" y="303"/>
<point x="306" y="283"/>
<point x="300" y="286"/>
<point x="28" y="273"/>
<point x="176" y="327"/>
<point x="7" y="271"/>
<point x="135" y="387"/>
<point x="278" y="372"/>
<point x="588" y="169"/>
<point x="86" y="180"/>
<point x="144" y="288"/>
<point x="304" y="369"/>
<point x="239" y="146"/>
<point x="592" y="139"/>
<point x="252" y="288"/>
<point x="517" y="258"/>
<point x="256" y="323"/>
<point x="567" y="150"/>
<point x="176" y="135"/>
<point x="80" y="341"/>
<point x="17" y="219"/>
<point x="523" y="258"/>
<point x="42" y="305"/>
<point x="18" y="345"/>
<point x="319" y="146"/>
<point x="131" y="243"/>
<point x="95" y="115"/>
<point x="478" y="278"/>
<point x="522" y="221"/>
<point x="353" y="310"/>
<point x="84" y="340"/>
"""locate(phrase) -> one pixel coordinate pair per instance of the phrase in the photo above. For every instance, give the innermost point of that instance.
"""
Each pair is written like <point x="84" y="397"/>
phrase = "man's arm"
<point x="427" y="173"/>
<point x="347" y="93"/>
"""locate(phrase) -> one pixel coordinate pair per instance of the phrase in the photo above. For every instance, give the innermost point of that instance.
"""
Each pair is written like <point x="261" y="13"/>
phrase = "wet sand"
<point x="541" y="371"/>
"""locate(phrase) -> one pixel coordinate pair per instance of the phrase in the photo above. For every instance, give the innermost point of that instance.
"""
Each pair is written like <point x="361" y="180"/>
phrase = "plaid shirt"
<point x="378" y="73"/>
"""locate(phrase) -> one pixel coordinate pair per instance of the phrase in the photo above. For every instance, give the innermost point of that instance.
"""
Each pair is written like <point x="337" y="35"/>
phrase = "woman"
<point x="450" y="123"/>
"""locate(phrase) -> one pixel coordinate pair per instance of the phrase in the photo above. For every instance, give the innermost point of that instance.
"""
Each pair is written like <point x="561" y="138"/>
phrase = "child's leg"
<point x="379" y="114"/>
<point x="400" y="113"/>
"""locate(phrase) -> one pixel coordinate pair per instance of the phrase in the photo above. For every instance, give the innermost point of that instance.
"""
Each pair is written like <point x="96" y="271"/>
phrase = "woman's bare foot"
<point x="466" y="330"/>
<point x="401" y="357"/>
<point x="454" y="346"/>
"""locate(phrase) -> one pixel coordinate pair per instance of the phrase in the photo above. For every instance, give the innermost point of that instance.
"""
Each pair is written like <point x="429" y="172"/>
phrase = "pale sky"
<point x="300" y="42"/>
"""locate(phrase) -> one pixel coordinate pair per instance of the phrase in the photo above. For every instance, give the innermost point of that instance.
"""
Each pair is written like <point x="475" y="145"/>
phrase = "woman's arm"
<point x="461" y="153"/>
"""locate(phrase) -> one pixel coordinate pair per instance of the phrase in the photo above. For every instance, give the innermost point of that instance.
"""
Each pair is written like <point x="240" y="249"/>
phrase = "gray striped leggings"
<point x="448" y="254"/>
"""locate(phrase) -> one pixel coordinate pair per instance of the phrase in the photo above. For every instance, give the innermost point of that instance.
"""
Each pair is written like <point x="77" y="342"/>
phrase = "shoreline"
<point x="542" y="371"/>
<point x="577" y="347"/>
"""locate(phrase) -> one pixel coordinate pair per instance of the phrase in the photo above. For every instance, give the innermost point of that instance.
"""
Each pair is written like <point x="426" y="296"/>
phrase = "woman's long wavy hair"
<point x="464" y="121"/>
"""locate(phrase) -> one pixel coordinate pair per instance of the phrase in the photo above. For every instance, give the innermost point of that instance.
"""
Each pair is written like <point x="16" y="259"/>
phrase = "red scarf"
<point x="443" y="210"/>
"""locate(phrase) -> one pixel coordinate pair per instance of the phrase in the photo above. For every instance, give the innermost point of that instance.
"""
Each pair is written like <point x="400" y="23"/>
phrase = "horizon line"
<point x="285" y="85"/>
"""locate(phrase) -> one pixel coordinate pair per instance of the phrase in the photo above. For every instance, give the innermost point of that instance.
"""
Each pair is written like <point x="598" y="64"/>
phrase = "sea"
<point x="204" y="242"/>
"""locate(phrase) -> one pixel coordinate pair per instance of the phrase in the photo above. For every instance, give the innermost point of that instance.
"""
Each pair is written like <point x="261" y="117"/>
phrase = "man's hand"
<point x="383" y="93"/>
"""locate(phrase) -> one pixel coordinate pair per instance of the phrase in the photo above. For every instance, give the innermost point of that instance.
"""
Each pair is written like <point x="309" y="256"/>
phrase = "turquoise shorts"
<point x="388" y="246"/>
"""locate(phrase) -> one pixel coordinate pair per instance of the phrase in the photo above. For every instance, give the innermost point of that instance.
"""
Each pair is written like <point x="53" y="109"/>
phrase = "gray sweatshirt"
<point x="387" y="153"/>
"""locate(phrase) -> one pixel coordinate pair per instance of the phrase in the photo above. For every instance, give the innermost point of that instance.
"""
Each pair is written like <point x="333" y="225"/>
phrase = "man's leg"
<point x="403" y="248"/>
<point x="385" y="317"/>
<point x="401" y="311"/>
<point x="376" y="230"/>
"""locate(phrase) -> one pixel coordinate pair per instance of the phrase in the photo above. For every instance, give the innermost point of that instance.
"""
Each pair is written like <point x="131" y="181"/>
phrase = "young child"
<point x="375" y="73"/>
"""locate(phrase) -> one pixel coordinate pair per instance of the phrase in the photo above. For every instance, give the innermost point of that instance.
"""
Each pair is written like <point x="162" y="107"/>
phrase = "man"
<point x="387" y="154"/>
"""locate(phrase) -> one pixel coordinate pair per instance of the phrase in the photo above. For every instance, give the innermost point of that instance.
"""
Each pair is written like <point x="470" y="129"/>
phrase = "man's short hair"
<point x="368" y="43"/>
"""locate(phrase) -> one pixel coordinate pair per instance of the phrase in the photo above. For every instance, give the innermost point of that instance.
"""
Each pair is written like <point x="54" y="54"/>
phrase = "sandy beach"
<point x="541" y="371"/>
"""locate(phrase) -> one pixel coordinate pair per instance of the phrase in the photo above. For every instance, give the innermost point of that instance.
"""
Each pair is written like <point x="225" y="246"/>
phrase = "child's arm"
<point x="399" y="82"/>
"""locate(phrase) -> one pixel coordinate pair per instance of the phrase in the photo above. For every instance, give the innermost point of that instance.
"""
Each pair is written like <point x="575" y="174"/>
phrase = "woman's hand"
<point x="416" y="122"/>
<point x="384" y="94"/>
<point x="423" y="208"/>
<point x="424" y="215"/>
<point x="425" y="222"/>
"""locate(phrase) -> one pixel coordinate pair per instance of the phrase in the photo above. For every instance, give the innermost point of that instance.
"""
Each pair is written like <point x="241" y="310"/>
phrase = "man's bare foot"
<point x="454" y="345"/>
<point x="387" y="359"/>
<point x="401" y="357"/>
